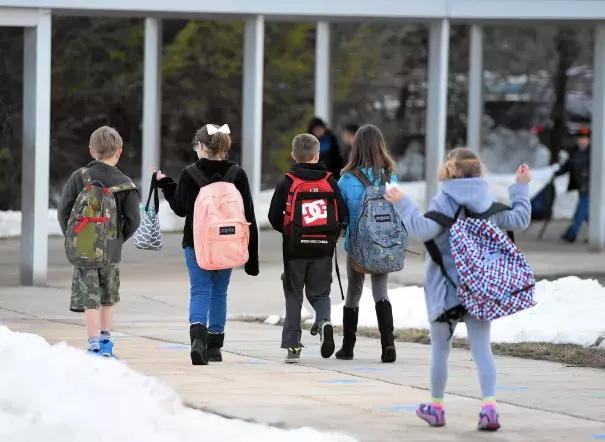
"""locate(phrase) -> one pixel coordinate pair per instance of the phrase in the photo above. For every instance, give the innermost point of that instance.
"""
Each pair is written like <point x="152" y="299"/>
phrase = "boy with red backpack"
<point x="308" y="209"/>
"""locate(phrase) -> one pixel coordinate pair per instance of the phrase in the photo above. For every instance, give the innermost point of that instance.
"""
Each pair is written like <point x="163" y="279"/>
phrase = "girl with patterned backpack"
<point x="474" y="272"/>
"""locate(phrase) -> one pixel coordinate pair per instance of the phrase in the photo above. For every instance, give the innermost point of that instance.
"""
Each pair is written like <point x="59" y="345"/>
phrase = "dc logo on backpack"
<point x="495" y="279"/>
<point x="379" y="240"/>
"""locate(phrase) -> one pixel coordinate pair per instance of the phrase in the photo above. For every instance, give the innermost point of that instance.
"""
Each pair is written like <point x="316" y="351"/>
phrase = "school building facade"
<point x="439" y="15"/>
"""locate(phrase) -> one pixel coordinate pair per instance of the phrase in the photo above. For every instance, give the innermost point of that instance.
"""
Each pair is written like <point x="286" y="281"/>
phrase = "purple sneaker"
<point x="435" y="417"/>
<point x="488" y="420"/>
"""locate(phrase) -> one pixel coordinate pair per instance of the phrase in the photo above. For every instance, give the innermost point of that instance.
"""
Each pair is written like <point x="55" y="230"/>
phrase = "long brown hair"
<point x="370" y="151"/>
<point x="218" y="144"/>
<point x="461" y="163"/>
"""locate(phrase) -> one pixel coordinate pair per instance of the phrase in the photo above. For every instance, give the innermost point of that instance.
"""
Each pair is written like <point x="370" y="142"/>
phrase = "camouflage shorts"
<point x="91" y="288"/>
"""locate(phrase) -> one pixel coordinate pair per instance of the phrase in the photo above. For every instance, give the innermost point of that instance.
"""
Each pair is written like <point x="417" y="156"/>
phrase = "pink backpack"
<point x="221" y="232"/>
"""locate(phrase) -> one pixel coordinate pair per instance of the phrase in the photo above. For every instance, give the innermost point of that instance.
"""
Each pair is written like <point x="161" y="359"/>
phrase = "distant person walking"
<point x="348" y="135"/>
<point x="329" y="151"/>
<point x="578" y="167"/>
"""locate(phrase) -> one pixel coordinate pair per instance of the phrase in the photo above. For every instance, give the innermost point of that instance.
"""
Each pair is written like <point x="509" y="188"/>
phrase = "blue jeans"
<point x="208" y="304"/>
<point x="580" y="217"/>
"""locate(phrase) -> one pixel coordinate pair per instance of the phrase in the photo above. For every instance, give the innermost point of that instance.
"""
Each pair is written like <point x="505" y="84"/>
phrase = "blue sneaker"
<point x="94" y="352"/>
<point x="107" y="349"/>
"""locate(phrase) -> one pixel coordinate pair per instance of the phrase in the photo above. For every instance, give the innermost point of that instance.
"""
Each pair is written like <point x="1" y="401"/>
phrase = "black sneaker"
<point x="293" y="356"/>
<point x="326" y="335"/>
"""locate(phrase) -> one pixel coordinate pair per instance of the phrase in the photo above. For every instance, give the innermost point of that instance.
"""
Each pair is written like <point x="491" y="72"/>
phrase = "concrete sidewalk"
<point x="539" y="401"/>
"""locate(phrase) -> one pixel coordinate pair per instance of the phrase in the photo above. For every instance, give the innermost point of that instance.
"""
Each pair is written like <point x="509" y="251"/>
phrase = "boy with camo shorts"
<point x="95" y="291"/>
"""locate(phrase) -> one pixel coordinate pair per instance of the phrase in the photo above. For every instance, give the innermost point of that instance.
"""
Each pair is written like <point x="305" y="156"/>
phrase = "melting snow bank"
<point x="569" y="310"/>
<point x="60" y="394"/>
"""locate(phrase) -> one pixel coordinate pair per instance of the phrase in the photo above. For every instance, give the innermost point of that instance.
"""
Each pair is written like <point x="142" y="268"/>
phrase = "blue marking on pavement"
<point x="599" y="436"/>
<point x="175" y="347"/>
<point x="596" y="394"/>
<point x="400" y="408"/>
<point x="248" y="363"/>
<point x="370" y="369"/>
<point x="512" y="388"/>
<point x="340" y="381"/>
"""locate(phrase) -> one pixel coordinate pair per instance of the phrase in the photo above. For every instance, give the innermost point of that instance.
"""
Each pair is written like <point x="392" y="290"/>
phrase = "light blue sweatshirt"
<point x="473" y="193"/>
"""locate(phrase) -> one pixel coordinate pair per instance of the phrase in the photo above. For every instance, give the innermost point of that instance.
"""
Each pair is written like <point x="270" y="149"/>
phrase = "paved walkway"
<point x="539" y="401"/>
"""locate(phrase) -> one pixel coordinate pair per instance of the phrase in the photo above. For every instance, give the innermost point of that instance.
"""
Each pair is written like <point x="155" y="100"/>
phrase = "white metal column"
<point x="152" y="101"/>
<point x="436" y="114"/>
<point x="475" y="89"/>
<point x="36" y="151"/>
<point x="252" y="131"/>
<point x="596" y="220"/>
<point x="323" y="73"/>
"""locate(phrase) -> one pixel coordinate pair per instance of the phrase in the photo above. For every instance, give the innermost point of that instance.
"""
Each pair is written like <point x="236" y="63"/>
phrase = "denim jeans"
<point x="208" y="304"/>
<point x="580" y="217"/>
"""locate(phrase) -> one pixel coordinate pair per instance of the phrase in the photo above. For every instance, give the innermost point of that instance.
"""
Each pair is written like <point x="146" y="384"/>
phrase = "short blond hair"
<point x="461" y="163"/>
<point x="105" y="142"/>
<point x="304" y="147"/>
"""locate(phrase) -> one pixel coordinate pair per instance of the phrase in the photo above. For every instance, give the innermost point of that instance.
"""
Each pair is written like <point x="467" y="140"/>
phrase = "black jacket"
<point x="182" y="195"/>
<point x="578" y="167"/>
<point x="332" y="158"/>
<point x="306" y="171"/>
<point x="127" y="202"/>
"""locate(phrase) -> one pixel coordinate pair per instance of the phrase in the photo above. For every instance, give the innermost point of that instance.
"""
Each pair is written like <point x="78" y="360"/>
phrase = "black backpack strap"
<point x="440" y="219"/>
<point x="198" y="176"/>
<point x="231" y="174"/>
<point x="153" y="190"/>
<point x="494" y="209"/>
<point x="437" y="257"/>
<point x="342" y="293"/>
<point x="362" y="177"/>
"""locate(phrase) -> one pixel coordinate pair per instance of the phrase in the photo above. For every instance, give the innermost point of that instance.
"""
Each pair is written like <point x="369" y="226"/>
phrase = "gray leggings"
<point x="481" y="349"/>
<point x="356" y="279"/>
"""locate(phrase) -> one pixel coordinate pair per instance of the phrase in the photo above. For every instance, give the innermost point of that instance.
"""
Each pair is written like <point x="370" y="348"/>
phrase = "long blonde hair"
<point x="461" y="163"/>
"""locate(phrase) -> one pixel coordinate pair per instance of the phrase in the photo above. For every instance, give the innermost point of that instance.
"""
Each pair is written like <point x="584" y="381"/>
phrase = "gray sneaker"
<point x="293" y="355"/>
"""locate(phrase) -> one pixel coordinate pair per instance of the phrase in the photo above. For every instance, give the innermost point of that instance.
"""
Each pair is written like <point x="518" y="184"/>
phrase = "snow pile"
<point x="60" y="394"/>
<point x="10" y="222"/>
<point x="569" y="310"/>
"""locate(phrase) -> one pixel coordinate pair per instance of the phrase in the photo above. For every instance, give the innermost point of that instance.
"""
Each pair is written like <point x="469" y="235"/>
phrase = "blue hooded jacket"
<point x="352" y="191"/>
<point x="473" y="193"/>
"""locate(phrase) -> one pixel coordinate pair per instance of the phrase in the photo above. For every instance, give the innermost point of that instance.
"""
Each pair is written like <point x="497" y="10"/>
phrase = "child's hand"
<point x="159" y="175"/>
<point x="524" y="174"/>
<point x="393" y="194"/>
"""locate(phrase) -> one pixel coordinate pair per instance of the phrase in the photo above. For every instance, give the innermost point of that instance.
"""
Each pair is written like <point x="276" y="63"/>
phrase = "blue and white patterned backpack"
<point x="495" y="279"/>
<point x="149" y="235"/>
<point x="379" y="240"/>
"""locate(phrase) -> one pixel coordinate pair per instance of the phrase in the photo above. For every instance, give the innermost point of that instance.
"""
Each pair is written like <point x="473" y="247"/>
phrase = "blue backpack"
<point x="495" y="279"/>
<point x="379" y="240"/>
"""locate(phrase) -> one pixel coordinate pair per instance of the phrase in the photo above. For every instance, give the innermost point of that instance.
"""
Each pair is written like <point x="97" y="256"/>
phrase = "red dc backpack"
<point x="311" y="224"/>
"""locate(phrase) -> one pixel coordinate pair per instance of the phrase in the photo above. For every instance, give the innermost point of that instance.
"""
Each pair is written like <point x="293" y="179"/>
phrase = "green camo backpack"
<point x="92" y="229"/>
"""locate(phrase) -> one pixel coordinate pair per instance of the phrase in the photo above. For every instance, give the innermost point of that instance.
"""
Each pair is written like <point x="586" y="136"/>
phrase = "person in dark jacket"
<point x="208" y="306"/>
<point x="306" y="269"/>
<point x="329" y="151"/>
<point x="96" y="291"/>
<point x="348" y="136"/>
<point x="578" y="167"/>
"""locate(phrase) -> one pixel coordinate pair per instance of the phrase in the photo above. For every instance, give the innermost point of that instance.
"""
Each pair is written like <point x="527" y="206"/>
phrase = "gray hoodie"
<point x="473" y="193"/>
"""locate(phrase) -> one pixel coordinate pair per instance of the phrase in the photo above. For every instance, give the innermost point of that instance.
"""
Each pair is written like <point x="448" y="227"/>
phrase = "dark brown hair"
<point x="461" y="163"/>
<point x="370" y="151"/>
<point x="304" y="147"/>
<point x="218" y="144"/>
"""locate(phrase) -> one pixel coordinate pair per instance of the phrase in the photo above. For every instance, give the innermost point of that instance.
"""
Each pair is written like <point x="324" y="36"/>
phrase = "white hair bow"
<point x="223" y="129"/>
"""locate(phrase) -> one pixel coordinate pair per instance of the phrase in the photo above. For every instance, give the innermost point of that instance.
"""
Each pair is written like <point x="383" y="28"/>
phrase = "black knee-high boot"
<point x="350" y="317"/>
<point x="384" y="315"/>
